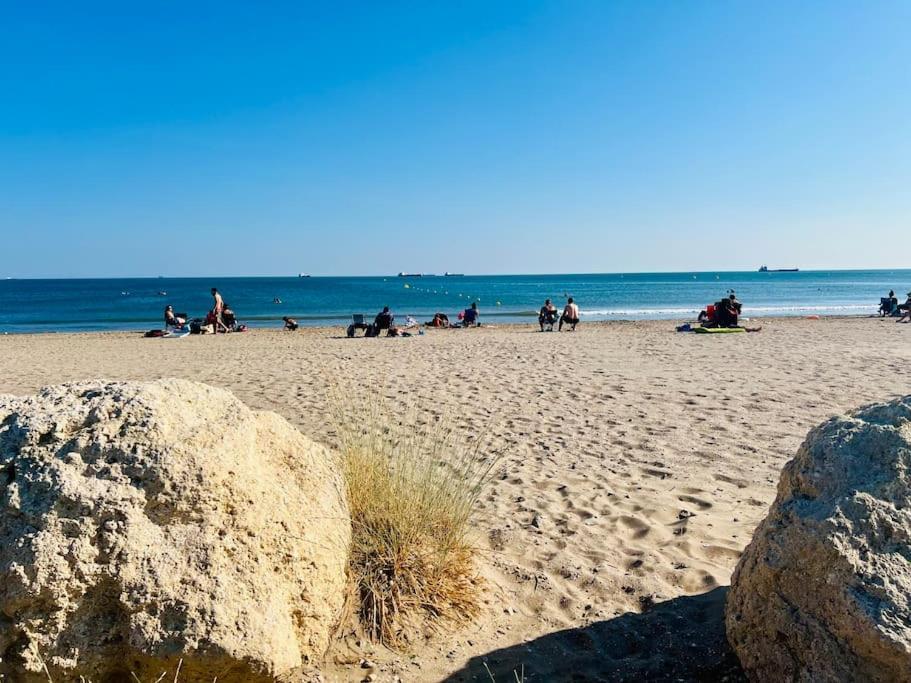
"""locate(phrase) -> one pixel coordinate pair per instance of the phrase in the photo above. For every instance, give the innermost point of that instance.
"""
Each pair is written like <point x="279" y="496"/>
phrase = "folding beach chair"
<point x="357" y="324"/>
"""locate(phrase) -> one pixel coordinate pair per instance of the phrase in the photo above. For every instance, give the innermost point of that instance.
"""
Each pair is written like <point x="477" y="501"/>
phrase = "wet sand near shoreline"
<point x="637" y="462"/>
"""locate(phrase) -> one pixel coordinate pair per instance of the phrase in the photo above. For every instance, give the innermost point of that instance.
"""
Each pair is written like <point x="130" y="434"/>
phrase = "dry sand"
<point x="638" y="462"/>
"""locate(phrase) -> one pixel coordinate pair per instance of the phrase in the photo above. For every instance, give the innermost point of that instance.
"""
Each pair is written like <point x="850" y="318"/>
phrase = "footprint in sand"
<point x="699" y="502"/>
<point x="739" y="483"/>
<point x="661" y="474"/>
<point x="639" y="528"/>
<point x="720" y="552"/>
<point x="699" y="580"/>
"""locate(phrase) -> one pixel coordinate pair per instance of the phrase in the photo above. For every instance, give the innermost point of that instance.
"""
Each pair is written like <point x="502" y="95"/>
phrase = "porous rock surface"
<point x="823" y="592"/>
<point x="144" y="525"/>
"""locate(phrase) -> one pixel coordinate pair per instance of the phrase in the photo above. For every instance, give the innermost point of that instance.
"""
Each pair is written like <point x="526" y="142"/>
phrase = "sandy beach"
<point x="637" y="462"/>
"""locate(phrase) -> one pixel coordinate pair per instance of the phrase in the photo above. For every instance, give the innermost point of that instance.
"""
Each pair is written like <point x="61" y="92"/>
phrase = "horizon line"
<point x="439" y="275"/>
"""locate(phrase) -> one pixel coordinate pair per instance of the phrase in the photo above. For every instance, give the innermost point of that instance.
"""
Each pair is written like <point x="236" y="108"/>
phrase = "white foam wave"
<point x="783" y="310"/>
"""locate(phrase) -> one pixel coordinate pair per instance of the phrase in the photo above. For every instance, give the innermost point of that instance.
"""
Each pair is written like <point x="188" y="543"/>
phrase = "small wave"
<point x="637" y="311"/>
<point x="810" y="309"/>
<point x="747" y="310"/>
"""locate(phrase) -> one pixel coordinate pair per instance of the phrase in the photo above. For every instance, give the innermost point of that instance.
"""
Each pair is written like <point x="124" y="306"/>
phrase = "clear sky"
<point x="222" y="138"/>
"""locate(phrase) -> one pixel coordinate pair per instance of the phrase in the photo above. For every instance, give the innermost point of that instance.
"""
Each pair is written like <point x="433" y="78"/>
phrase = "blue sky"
<point x="367" y="138"/>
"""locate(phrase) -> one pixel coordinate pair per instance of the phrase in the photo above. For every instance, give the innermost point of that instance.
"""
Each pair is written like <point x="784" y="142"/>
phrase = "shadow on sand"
<point x="677" y="640"/>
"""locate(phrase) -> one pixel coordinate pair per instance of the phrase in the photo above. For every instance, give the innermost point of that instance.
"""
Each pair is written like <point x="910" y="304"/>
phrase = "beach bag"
<point x="155" y="333"/>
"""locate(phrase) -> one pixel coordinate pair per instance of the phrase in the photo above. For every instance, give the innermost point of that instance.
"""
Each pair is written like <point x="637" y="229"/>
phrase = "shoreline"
<point x="311" y="329"/>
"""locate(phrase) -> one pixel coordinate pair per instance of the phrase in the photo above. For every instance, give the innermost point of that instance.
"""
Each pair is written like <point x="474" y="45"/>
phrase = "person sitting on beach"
<point x="885" y="305"/>
<point x="470" y="316"/>
<point x="439" y="320"/>
<point x="570" y="315"/>
<point x="547" y="315"/>
<point x="905" y="308"/>
<point x="383" y="320"/>
<point x="888" y="304"/>
<point x="290" y="324"/>
<point x="171" y="319"/>
<point x="228" y="318"/>
<point x="727" y="311"/>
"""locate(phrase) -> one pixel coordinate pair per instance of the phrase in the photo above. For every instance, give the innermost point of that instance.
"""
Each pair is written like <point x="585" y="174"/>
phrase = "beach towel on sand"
<point x="719" y="330"/>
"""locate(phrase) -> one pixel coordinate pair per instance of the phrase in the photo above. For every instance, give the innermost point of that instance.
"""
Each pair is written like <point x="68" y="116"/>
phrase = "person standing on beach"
<point x="570" y="315"/>
<point x="218" y="309"/>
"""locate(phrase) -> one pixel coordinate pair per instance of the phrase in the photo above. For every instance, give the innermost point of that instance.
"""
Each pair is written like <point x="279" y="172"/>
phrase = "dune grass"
<point x="83" y="679"/>
<point x="412" y="486"/>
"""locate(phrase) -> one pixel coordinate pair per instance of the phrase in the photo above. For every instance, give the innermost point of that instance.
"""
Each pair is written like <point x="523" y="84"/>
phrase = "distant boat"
<point x="411" y="274"/>
<point x="448" y="274"/>
<point x="303" y="275"/>
<point x="766" y="269"/>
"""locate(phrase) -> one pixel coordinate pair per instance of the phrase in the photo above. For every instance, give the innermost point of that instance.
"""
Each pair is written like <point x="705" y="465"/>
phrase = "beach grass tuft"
<point x="413" y="485"/>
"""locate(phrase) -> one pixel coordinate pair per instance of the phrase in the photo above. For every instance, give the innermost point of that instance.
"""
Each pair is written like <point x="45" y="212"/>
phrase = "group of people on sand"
<point x="470" y="317"/>
<point x="547" y="316"/>
<point x="889" y="306"/>
<point x="724" y="313"/>
<point x="385" y="322"/>
<point x="220" y="319"/>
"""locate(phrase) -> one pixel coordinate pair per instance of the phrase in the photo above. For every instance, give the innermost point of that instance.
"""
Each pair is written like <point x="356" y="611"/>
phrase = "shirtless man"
<point x="218" y="308"/>
<point x="570" y="315"/>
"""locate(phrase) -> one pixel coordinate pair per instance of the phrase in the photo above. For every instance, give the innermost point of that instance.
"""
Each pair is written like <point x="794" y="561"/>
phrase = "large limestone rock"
<point x="144" y="524"/>
<point x="823" y="592"/>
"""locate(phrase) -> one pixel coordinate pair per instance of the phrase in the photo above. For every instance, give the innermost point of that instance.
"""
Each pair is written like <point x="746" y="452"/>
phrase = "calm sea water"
<point x="122" y="304"/>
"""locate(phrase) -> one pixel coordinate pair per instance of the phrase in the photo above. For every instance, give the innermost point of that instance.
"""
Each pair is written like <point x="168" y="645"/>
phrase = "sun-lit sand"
<point x="637" y="460"/>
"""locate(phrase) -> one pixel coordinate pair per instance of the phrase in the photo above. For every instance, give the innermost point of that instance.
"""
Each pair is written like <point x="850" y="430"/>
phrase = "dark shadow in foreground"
<point x="677" y="640"/>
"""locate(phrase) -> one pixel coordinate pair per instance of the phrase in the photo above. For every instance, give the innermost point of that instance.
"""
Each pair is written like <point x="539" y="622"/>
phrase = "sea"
<point x="31" y="305"/>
